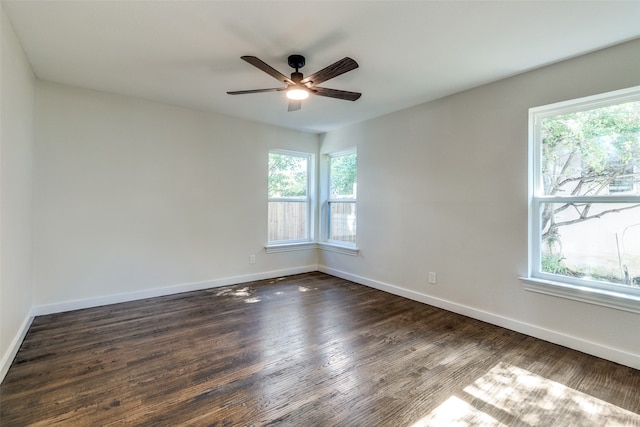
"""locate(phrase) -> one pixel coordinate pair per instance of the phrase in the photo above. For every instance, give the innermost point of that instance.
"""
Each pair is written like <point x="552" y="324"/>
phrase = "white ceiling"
<point x="188" y="52"/>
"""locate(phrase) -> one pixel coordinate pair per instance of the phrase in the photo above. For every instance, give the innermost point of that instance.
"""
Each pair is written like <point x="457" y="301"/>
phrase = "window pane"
<point x="287" y="176"/>
<point x="599" y="241"/>
<point x="342" y="221"/>
<point x="288" y="220"/>
<point x="342" y="176"/>
<point x="593" y="152"/>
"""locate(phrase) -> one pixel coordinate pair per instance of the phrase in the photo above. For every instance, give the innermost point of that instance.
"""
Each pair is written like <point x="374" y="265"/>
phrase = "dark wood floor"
<point x="306" y="350"/>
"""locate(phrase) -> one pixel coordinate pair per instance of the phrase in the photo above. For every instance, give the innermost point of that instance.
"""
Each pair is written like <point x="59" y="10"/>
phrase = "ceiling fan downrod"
<point x="297" y="62"/>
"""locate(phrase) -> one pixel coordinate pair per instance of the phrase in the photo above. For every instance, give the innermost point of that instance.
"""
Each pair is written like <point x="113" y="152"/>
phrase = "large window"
<point x="289" y="195"/>
<point x="585" y="194"/>
<point x="341" y="203"/>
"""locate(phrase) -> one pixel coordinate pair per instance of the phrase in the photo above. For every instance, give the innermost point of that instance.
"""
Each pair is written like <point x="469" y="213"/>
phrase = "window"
<point x="341" y="202"/>
<point x="289" y="211"/>
<point x="585" y="196"/>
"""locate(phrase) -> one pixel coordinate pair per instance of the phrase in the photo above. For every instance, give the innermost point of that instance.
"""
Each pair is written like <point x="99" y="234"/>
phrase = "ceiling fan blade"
<point x="294" y="105"/>
<point x="242" y="92"/>
<point x="268" y="69"/>
<point x="333" y="70"/>
<point x="334" y="93"/>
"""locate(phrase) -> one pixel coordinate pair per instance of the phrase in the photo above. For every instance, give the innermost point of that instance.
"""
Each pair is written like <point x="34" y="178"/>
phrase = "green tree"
<point x="343" y="175"/>
<point x="287" y="175"/>
<point x="588" y="153"/>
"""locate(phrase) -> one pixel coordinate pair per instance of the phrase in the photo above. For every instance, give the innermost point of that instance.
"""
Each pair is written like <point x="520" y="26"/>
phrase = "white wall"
<point x="133" y="196"/>
<point x="442" y="187"/>
<point x="17" y="86"/>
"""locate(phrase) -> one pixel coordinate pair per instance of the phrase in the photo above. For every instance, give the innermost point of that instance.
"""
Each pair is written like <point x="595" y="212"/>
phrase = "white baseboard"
<point x="612" y="354"/>
<point x="60" y="307"/>
<point x="10" y="354"/>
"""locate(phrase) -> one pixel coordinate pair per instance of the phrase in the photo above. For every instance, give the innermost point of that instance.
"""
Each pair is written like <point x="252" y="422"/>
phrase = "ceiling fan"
<point x="299" y="87"/>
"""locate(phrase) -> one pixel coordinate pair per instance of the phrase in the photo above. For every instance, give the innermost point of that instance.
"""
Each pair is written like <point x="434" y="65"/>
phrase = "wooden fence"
<point x="288" y="221"/>
<point x="342" y="222"/>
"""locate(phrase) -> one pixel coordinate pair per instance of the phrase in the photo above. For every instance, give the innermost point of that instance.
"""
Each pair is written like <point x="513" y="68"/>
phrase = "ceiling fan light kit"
<point x="297" y="94"/>
<point x="298" y="87"/>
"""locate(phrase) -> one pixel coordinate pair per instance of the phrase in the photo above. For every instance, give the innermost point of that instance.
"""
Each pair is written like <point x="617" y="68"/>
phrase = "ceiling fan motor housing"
<point x="296" y="61"/>
<point x="296" y="77"/>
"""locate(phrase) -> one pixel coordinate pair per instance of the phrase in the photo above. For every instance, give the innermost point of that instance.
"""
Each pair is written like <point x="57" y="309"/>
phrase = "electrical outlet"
<point x="252" y="259"/>
<point x="432" y="277"/>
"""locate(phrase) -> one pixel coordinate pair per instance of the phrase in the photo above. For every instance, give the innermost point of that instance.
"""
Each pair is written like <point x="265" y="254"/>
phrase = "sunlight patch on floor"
<point x="240" y="292"/>
<point x="506" y="393"/>
<point x="455" y="412"/>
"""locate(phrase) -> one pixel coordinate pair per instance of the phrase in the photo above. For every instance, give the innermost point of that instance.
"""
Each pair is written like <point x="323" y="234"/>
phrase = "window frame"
<point x="341" y="246"/>
<point x="308" y="241"/>
<point x="592" y="291"/>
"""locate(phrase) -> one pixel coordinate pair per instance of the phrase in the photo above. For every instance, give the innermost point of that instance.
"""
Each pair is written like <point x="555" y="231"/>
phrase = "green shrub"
<point x="554" y="264"/>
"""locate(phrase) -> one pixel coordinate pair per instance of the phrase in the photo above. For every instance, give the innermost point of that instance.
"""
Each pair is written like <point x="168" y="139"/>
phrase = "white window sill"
<point x="612" y="299"/>
<point x="304" y="246"/>
<point x="341" y="249"/>
<point x="288" y="247"/>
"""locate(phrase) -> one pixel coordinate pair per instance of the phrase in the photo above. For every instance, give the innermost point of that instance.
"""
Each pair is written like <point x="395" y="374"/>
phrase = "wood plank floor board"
<point x="305" y="350"/>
